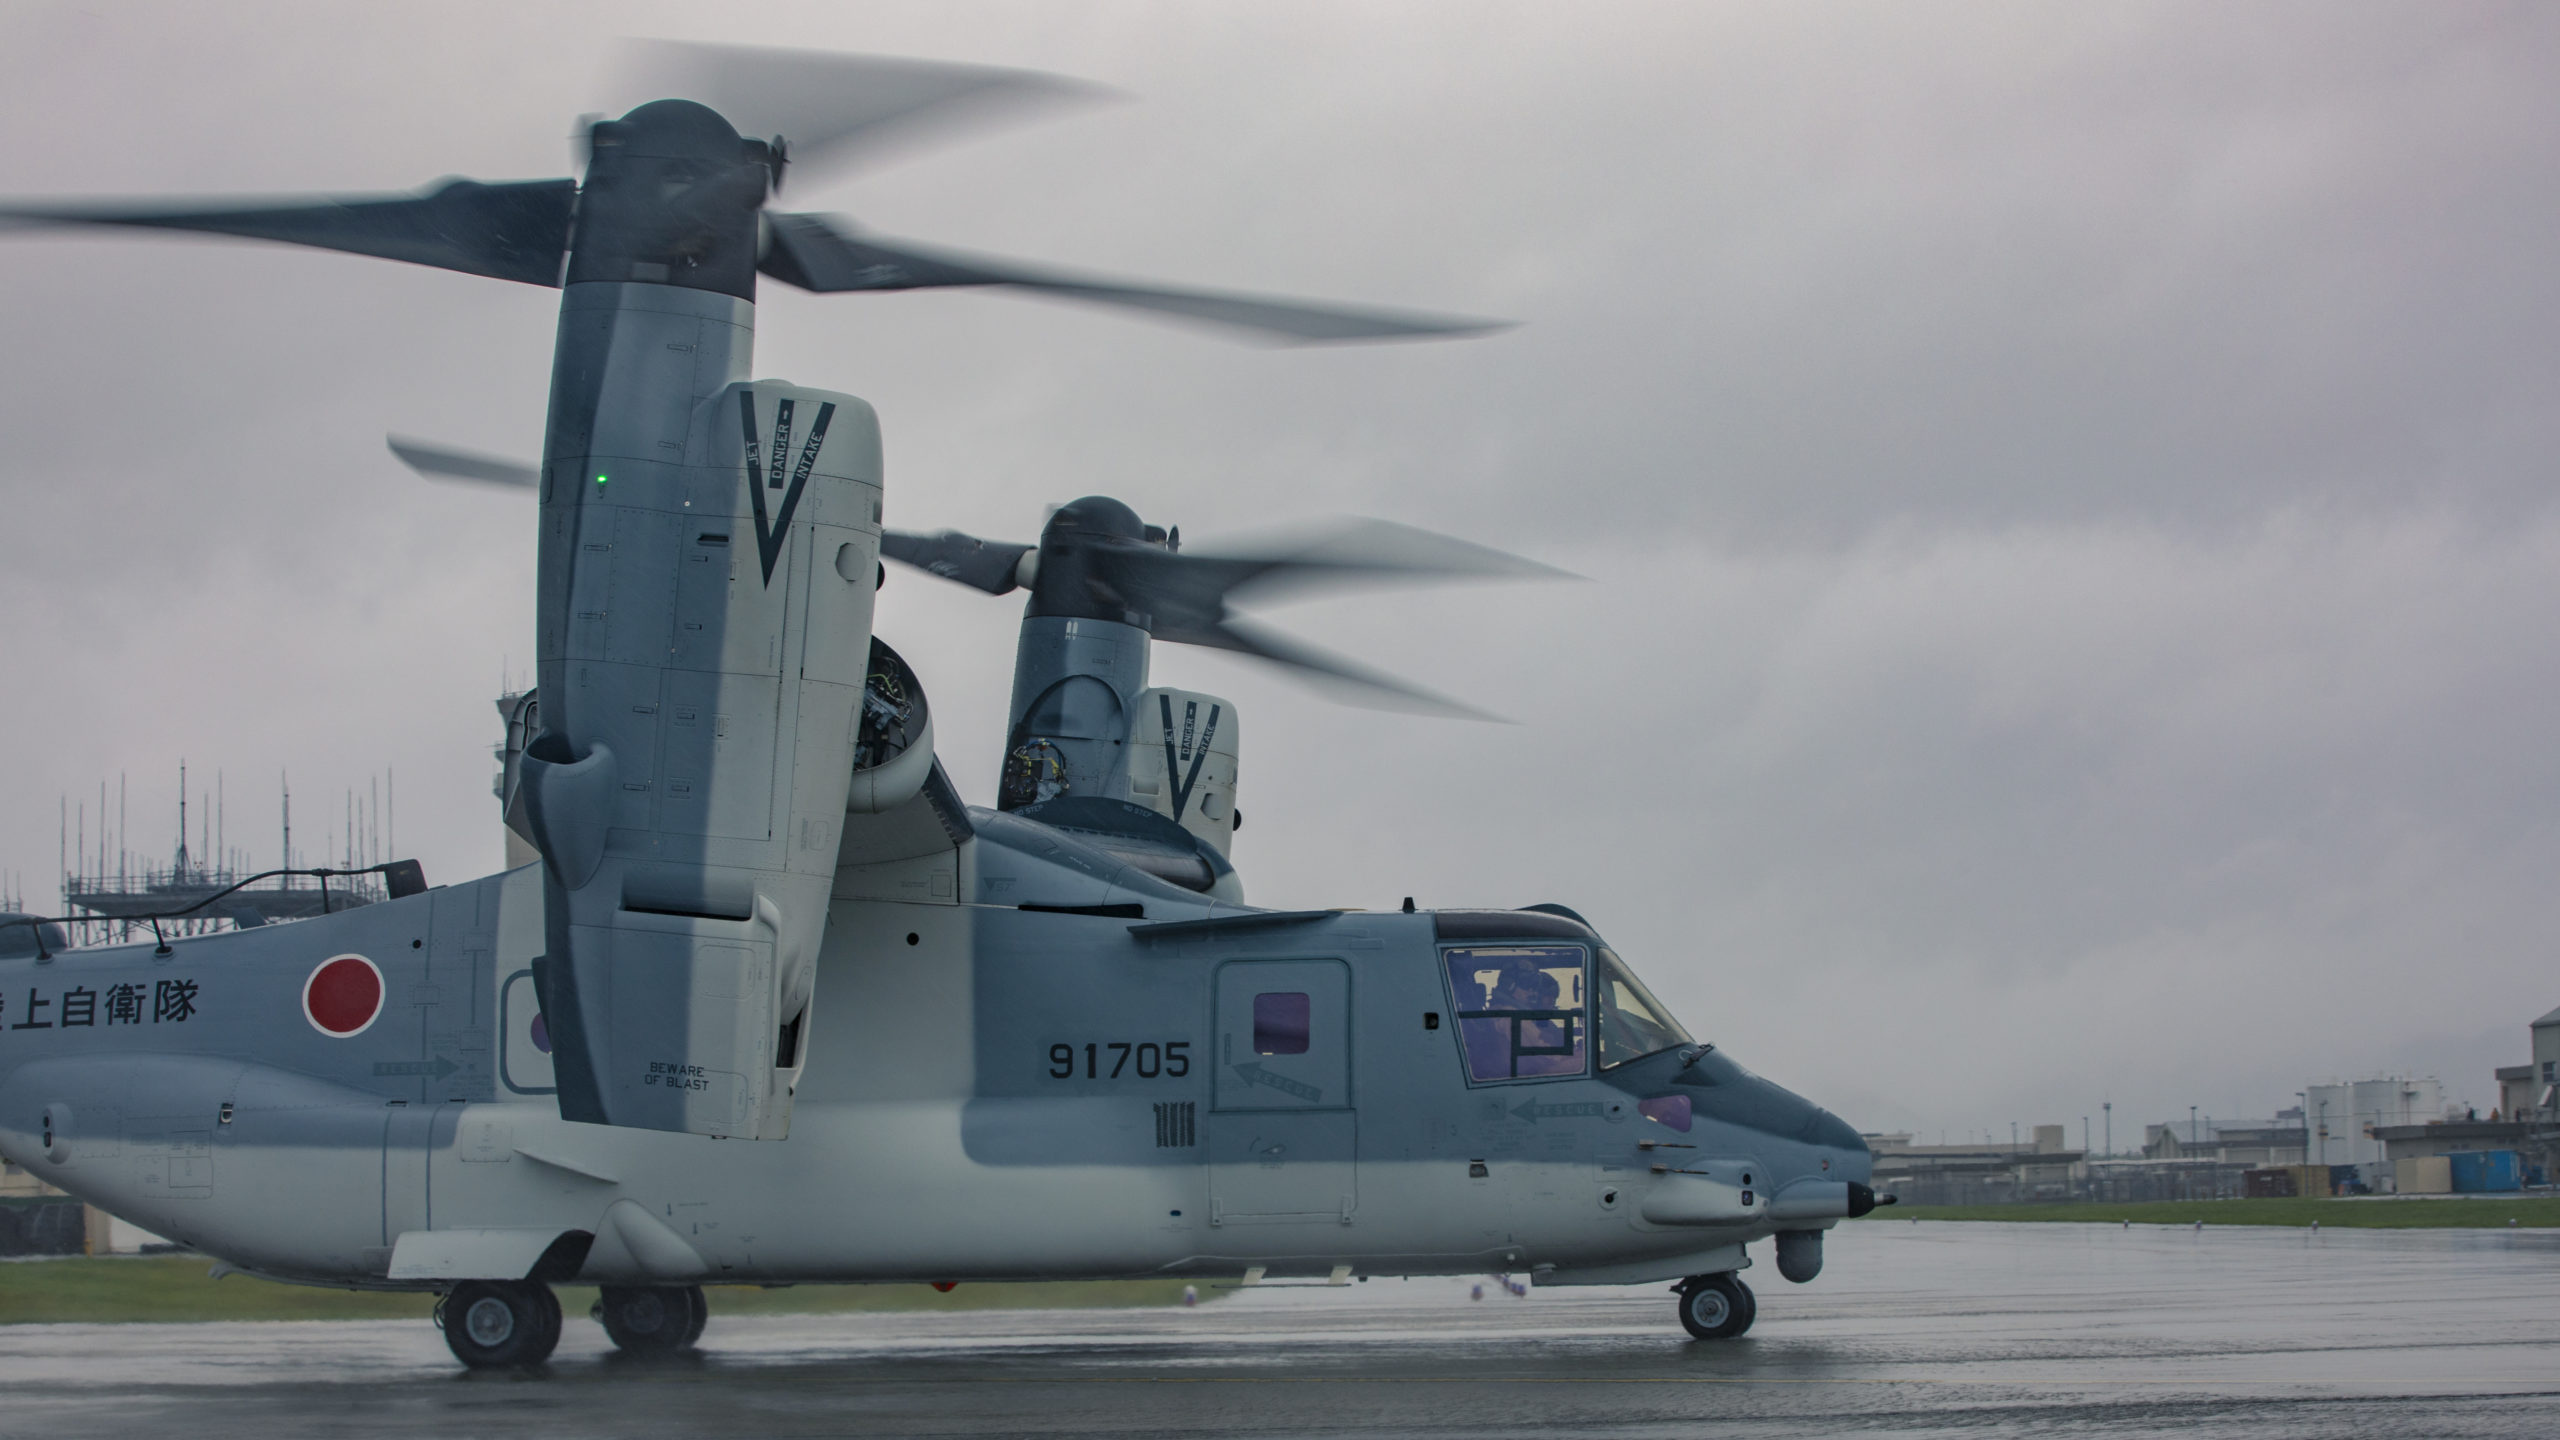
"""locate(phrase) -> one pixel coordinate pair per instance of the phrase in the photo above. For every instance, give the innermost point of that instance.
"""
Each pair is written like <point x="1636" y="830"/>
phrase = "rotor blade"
<point x="831" y="109"/>
<point x="813" y="253"/>
<point x="1340" y="555"/>
<point x="517" y="230"/>
<point x="1344" y="680"/>
<point x="992" y="566"/>
<point x="437" y="463"/>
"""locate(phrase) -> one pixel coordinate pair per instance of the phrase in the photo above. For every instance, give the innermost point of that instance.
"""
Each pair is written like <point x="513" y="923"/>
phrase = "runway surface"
<point x="1978" y="1330"/>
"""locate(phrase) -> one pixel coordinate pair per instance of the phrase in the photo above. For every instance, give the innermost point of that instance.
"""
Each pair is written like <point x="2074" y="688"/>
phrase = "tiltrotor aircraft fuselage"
<point x="771" y="1004"/>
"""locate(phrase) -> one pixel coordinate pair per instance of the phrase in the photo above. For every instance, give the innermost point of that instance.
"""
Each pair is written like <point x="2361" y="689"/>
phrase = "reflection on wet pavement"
<point x="1984" y="1329"/>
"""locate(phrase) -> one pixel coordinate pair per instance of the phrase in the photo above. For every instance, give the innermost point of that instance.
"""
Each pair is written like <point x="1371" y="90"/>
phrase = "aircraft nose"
<point x="1826" y="1129"/>
<point x="1785" y="1115"/>
<point x="1738" y="1097"/>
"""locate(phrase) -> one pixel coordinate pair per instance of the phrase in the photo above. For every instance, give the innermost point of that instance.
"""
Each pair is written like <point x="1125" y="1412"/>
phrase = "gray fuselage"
<point x="997" y="1091"/>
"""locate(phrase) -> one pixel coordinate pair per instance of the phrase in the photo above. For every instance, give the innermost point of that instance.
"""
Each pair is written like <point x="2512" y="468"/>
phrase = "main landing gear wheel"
<point x="497" y="1323"/>
<point x="652" y="1319"/>
<point x="1716" y="1307"/>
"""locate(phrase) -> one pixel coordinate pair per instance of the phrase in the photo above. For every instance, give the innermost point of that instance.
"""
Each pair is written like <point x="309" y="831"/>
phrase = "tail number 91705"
<point x="1112" y="1059"/>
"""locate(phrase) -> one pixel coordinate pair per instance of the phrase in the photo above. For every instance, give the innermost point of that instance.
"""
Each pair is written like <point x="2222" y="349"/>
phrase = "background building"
<point x="2251" y="1144"/>
<point x="2043" y="1168"/>
<point x="2343" y="1117"/>
<point x="2545" y="1100"/>
<point x="2518" y="1091"/>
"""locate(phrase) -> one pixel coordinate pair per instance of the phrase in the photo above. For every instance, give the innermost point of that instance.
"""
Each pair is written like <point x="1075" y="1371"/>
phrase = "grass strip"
<point x="2482" y="1212"/>
<point x="162" y="1288"/>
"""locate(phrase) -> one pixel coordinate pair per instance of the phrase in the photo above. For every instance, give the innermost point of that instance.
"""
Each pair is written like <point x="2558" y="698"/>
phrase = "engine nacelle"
<point x="1182" y="761"/>
<point x="707" y="625"/>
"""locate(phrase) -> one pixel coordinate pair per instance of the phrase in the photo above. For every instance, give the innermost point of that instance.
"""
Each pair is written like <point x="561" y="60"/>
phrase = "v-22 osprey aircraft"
<point x="767" y="1003"/>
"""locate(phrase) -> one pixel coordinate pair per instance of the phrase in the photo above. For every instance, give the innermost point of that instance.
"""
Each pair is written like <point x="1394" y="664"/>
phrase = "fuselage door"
<point x="1282" y="1132"/>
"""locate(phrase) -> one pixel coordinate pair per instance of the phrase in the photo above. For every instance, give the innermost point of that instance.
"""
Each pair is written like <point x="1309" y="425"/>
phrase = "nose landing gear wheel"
<point x="1716" y="1307"/>
<point x="652" y="1319"/>
<point x="496" y="1323"/>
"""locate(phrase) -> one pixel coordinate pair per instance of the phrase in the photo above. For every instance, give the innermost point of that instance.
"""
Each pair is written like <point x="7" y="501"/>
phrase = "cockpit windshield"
<point x="1632" y="1023"/>
<point x="1520" y="1010"/>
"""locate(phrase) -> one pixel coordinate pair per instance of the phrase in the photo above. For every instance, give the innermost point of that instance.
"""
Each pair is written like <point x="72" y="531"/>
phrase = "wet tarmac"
<point x="1978" y="1330"/>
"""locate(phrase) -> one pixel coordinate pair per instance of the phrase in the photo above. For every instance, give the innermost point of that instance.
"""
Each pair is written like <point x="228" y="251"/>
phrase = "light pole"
<point x="2110" y="1108"/>
<point x="2192" y="1137"/>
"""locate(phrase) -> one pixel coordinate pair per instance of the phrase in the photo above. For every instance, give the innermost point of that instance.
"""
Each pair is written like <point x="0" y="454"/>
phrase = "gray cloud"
<point x="2066" y="489"/>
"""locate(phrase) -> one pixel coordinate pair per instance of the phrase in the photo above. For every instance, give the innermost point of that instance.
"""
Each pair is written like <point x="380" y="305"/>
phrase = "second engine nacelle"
<point x="1182" y="762"/>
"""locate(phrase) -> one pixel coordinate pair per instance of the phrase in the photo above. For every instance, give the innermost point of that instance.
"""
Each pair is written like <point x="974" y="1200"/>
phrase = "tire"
<point x="701" y="1314"/>
<point x="549" y="1300"/>
<point x="497" y="1324"/>
<point x="651" y="1319"/>
<point x="1716" y="1307"/>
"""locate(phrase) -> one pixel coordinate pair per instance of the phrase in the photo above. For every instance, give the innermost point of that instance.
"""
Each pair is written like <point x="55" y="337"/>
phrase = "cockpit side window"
<point x="1632" y="1023"/>
<point x="1521" y="1010"/>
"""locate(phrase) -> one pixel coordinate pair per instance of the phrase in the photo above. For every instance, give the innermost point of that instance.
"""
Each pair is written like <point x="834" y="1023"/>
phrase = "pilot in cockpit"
<point x="1523" y="986"/>
<point x="1550" y="1044"/>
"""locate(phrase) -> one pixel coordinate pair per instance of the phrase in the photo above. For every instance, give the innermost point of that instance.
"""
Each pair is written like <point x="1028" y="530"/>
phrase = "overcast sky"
<point x="2066" y="491"/>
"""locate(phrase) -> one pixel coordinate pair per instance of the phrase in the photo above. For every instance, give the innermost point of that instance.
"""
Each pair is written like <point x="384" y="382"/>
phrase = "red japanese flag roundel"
<point x="343" y="997"/>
